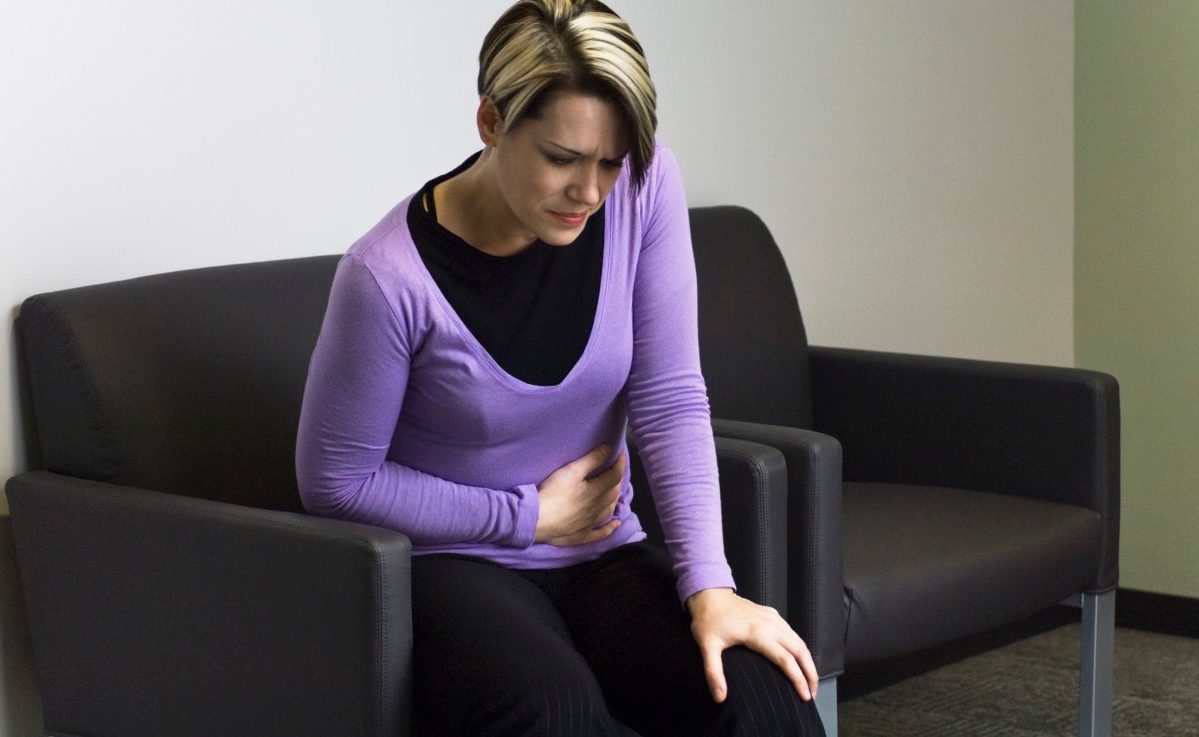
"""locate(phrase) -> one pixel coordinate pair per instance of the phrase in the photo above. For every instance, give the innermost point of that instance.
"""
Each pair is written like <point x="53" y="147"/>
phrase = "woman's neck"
<point x="487" y="223"/>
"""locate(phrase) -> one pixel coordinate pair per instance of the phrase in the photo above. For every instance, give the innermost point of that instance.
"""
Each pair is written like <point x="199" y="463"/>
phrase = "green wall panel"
<point x="1137" y="265"/>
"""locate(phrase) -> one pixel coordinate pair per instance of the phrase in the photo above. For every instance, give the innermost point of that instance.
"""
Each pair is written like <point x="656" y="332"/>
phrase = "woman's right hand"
<point x="576" y="508"/>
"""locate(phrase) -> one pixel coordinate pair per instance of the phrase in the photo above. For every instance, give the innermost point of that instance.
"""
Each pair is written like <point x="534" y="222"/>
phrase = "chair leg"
<point x="826" y="705"/>
<point x="1098" y="660"/>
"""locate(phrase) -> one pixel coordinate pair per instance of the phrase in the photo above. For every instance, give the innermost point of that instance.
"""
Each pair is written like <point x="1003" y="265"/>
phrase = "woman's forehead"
<point x="585" y="124"/>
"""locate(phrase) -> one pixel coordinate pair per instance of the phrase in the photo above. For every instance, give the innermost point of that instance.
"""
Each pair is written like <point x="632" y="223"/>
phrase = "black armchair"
<point x="931" y="498"/>
<point x="174" y="585"/>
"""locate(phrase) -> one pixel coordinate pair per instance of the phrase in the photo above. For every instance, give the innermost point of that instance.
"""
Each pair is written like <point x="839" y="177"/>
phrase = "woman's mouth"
<point x="570" y="219"/>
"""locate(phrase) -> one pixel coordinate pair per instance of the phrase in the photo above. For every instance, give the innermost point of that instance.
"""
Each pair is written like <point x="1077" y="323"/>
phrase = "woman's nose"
<point x="585" y="188"/>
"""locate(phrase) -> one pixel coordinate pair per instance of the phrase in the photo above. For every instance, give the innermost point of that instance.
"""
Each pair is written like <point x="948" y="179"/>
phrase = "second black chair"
<point x="930" y="498"/>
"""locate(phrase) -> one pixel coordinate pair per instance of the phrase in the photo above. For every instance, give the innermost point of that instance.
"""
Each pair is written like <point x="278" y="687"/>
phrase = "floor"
<point x="1029" y="687"/>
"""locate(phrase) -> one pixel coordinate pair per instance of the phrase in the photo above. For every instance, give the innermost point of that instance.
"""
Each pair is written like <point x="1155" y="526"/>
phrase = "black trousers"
<point x="602" y="648"/>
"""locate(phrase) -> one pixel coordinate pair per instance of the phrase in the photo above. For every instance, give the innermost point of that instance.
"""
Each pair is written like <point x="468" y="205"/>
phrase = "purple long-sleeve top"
<point x="408" y="422"/>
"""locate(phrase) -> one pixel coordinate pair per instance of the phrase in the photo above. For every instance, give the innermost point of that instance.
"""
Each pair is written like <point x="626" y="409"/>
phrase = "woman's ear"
<point x="487" y="118"/>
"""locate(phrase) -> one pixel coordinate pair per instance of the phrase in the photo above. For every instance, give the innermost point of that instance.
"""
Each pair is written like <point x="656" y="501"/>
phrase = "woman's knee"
<point x="763" y="701"/>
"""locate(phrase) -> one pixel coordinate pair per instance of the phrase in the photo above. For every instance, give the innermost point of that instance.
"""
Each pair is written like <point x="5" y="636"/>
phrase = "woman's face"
<point x="554" y="171"/>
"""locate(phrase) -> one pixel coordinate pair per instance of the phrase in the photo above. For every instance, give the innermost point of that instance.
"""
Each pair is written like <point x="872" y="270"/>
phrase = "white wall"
<point x="914" y="159"/>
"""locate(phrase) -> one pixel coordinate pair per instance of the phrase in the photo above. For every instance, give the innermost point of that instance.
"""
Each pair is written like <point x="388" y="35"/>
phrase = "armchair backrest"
<point x="189" y="382"/>
<point x="751" y="336"/>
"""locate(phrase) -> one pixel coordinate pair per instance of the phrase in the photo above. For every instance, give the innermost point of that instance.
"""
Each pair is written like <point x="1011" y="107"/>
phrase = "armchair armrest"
<point x="157" y="614"/>
<point x="816" y="604"/>
<point x="753" y="495"/>
<point x="1035" y="431"/>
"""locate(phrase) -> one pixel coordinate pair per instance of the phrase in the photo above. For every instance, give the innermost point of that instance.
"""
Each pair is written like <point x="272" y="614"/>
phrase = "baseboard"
<point x="1164" y="613"/>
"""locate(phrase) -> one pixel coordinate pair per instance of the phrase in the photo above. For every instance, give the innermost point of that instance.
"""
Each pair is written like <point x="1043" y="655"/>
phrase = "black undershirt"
<point x="532" y="312"/>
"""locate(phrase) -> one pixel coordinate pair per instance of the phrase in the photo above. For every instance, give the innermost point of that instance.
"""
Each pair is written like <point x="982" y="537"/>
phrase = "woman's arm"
<point x="356" y="384"/>
<point x="667" y="399"/>
<point x="670" y="418"/>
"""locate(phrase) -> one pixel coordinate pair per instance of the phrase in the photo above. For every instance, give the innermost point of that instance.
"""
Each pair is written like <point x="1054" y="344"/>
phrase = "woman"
<point x="483" y="348"/>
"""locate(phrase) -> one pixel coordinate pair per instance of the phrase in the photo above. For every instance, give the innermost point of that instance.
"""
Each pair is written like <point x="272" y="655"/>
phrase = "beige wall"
<point x="912" y="157"/>
<point x="1137" y="267"/>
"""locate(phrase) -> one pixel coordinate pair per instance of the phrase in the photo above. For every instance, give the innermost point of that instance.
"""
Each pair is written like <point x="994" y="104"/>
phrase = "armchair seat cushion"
<point x="926" y="565"/>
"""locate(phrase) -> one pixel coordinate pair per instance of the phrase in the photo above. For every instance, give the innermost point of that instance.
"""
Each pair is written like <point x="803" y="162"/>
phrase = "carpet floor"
<point x="1030" y="688"/>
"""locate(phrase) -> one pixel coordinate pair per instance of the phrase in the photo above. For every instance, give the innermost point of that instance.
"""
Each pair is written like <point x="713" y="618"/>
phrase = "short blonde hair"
<point x="539" y="47"/>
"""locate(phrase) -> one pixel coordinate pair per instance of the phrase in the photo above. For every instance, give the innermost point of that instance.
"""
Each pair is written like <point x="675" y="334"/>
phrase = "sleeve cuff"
<point x="527" y="509"/>
<point x="709" y="576"/>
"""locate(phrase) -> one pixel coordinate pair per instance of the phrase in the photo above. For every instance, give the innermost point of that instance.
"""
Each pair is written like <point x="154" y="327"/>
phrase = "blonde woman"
<point x="484" y="347"/>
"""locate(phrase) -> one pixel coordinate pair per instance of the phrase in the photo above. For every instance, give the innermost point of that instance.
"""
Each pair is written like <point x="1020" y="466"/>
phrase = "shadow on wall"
<point x="25" y="451"/>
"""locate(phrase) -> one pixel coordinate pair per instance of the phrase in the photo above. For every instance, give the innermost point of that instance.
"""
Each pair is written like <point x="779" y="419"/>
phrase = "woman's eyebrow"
<point x="580" y="154"/>
<point x="564" y="148"/>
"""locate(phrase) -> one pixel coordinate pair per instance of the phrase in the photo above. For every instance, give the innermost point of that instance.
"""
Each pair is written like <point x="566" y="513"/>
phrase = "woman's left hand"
<point x="721" y="619"/>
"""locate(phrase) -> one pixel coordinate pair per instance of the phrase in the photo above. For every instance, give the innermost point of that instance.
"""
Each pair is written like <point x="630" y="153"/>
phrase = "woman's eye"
<point x="558" y="160"/>
<point x="614" y="165"/>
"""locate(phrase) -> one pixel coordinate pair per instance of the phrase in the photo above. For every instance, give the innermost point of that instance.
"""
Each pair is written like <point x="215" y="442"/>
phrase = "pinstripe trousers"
<point x="598" y="649"/>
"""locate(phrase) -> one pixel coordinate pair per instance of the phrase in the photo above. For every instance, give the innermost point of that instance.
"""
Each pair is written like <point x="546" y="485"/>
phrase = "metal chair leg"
<point x="826" y="705"/>
<point x="1098" y="660"/>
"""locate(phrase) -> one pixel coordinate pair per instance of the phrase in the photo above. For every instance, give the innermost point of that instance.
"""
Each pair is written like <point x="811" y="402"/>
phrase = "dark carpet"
<point x="1030" y="687"/>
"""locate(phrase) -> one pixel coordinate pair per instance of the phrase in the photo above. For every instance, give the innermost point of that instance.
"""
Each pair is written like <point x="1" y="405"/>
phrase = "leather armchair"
<point x="931" y="498"/>
<point x="173" y="582"/>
